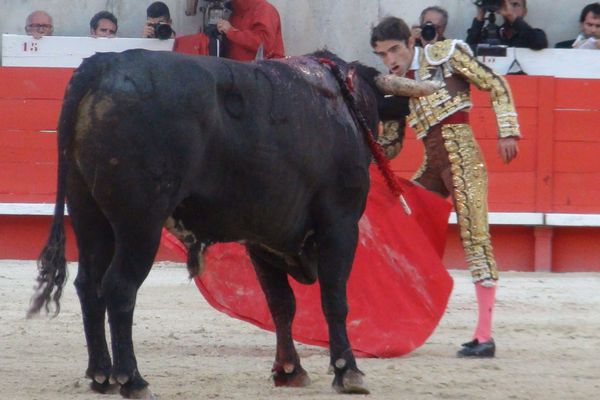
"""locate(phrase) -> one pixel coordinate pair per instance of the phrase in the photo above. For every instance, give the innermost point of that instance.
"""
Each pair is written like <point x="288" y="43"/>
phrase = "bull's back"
<point x="134" y="127"/>
<point x="243" y="107"/>
<point x="161" y="127"/>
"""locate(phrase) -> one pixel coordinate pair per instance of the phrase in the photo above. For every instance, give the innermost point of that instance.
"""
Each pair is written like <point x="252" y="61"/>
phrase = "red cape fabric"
<point x="397" y="292"/>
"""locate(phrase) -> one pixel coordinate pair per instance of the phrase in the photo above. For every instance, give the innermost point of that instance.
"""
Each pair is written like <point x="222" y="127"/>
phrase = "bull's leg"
<point x="136" y="245"/>
<point x="95" y="242"/>
<point x="337" y="245"/>
<point x="287" y="370"/>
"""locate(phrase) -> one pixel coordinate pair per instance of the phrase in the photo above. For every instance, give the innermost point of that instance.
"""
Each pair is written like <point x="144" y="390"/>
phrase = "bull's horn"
<point x="400" y="86"/>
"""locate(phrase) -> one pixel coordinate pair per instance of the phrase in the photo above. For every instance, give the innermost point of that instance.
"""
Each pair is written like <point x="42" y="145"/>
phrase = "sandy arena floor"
<point x="547" y="328"/>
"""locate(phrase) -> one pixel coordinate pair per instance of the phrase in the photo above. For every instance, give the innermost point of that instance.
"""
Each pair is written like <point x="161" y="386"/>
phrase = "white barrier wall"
<point x="68" y="51"/>
<point x="341" y="25"/>
<point x="560" y="63"/>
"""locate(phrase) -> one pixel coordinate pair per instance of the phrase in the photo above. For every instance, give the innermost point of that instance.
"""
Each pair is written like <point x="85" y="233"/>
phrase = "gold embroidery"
<point x="390" y="138"/>
<point x="439" y="52"/>
<point x="454" y="57"/>
<point x="431" y="110"/>
<point x="469" y="178"/>
<point x="485" y="79"/>
<point x="442" y="61"/>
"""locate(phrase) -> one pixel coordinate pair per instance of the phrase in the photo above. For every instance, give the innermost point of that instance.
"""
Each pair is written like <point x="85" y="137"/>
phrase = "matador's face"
<point x="397" y="55"/>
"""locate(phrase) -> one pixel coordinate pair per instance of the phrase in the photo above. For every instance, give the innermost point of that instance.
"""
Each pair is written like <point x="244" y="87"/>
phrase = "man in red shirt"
<point x="253" y="23"/>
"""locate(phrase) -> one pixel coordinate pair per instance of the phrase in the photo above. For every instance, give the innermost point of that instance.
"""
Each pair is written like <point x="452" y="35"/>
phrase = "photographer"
<point x="158" y="22"/>
<point x="432" y="25"/>
<point x="515" y="32"/>
<point x="253" y="23"/>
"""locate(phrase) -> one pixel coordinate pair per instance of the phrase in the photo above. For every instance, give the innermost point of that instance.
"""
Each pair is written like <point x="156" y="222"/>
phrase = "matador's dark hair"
<point x="390" y="28"/>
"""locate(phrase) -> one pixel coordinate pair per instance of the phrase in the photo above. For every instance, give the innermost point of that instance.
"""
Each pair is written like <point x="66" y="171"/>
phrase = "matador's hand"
<point x="508" y="148"/>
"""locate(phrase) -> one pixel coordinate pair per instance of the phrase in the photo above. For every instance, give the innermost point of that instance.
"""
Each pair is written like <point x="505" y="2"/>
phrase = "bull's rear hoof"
<point x="143" y="394"/>
<point x="351" y="382"/>
<point x="297" y="378"/>
<point x="104" y="388"/>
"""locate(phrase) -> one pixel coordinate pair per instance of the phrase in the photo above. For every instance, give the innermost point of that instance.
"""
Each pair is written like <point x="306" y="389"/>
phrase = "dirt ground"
<point x="547" y="328"/>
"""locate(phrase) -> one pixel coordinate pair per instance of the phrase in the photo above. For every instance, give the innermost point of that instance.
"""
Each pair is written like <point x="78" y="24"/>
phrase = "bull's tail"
<point x="52" y="266"/>
<point x="51" y="263"/>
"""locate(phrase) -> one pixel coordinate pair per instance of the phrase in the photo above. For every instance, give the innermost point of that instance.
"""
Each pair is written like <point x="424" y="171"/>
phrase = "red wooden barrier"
<point x="557" y="171"/>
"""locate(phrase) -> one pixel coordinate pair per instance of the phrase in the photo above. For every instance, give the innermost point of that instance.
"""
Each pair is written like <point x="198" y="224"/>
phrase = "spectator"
<point x="39" y="24"/>
<point x="158" y="17"/>
<point x="515" y="32"/>
<point x="589" y="37"/>
<point x="253" y="23"/>
<point x="438" y="17"/>
<point x="103" y="24"/>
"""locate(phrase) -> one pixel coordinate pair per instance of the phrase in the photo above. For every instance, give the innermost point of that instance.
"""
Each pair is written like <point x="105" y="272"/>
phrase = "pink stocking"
<point x="486" y="297"/>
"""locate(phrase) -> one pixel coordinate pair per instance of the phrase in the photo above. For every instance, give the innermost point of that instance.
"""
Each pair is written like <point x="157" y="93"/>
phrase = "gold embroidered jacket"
<point x="453" y="63"/>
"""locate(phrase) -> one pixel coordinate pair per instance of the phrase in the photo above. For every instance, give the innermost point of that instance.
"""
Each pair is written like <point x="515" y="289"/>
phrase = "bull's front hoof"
<point x="290" y="375"/>
<point x="350" y="382"/>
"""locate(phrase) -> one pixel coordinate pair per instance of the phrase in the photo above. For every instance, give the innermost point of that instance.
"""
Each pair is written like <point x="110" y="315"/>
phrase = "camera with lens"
<point x="489" y="5"/>
<point x="214" y="11"/>
<point x="428" y="31"/>
<point x="490" y="44"/>
<point x="162" y="30"/>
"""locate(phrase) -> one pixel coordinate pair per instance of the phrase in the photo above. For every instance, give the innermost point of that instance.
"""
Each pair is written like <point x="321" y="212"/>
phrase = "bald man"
<point x="39" y="24"/>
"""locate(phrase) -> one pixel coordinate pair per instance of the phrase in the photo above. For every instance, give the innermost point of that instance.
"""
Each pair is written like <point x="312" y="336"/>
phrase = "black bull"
<point x="265" y="153"/>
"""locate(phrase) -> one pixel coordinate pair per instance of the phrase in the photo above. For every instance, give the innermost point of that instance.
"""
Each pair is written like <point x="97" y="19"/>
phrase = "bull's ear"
<point x="401" y="86"/>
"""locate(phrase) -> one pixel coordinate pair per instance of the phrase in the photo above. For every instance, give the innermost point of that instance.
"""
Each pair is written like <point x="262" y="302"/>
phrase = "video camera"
<point x="214" y="11"/>
<point x="491" y="41"/>
<point x="489" y="5"/>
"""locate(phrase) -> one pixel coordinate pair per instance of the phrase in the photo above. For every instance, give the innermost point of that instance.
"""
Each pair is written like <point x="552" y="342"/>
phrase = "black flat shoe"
<point x="474" y="349"/>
